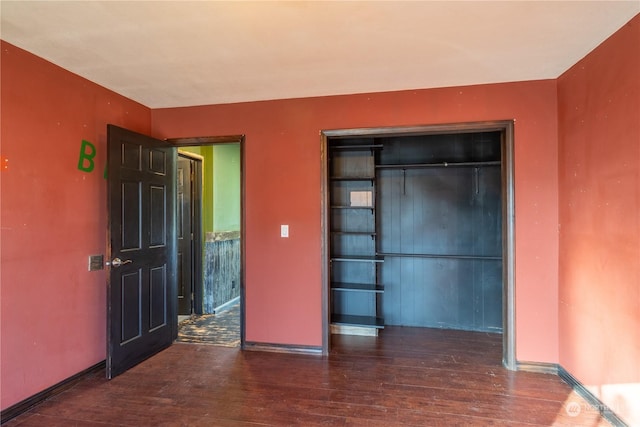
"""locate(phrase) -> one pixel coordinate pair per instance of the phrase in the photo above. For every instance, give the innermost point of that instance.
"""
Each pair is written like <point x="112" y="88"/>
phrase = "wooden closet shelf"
<point x="358" y="147"/>
<point x="352" y="207"/>
<point x="370" y="321"/>
<point x="357" y="287"/>
<point x="356" y="258"/>
<point x="353" y="178"/>
<point x="356" y="233"/>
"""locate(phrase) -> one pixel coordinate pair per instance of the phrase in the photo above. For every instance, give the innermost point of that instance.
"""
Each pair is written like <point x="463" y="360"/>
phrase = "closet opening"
<point x="419" y="230"/>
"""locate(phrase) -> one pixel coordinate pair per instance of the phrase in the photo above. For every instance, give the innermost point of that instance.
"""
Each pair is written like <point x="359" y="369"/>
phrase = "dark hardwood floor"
<point x="406" y="377"/>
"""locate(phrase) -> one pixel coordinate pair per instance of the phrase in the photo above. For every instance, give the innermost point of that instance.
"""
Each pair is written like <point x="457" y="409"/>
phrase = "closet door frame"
<point x="505" y="127"/>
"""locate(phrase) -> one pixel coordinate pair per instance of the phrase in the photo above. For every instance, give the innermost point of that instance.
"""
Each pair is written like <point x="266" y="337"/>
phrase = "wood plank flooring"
<point x="405" y="377"/>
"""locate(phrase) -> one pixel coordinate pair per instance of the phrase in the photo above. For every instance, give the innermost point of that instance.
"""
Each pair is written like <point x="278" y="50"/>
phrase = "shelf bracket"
<point x="404" y="181"/>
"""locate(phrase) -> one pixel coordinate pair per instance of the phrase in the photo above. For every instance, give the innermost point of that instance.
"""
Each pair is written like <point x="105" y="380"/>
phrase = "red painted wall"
<point x="282" y="172"/>
<point x="599" y="275"/>
<point x="53" y="217"/>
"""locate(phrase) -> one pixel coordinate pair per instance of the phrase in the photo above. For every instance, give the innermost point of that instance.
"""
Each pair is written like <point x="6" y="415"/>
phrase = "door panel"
<point x="131" y="199"/>
<point x="158" y="299"/>
<point x="131" y="288"/>
<point x="141" y="207"/>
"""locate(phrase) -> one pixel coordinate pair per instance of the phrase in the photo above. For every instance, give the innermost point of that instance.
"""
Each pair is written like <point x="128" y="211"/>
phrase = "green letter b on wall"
<point x="87" y="153"/>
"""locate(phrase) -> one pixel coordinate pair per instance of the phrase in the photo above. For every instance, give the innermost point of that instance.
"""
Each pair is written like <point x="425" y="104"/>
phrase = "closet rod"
<point x="479" y="257"/>
<point x="439" y="165"/>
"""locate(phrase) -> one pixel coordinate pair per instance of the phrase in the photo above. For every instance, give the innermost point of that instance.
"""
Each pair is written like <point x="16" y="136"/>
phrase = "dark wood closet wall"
<point x="437" y="236"/>
<point x="440" y="231"/>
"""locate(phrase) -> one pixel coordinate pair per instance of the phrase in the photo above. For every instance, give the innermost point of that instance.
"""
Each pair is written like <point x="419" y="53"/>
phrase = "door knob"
<point x="117" y="262"/>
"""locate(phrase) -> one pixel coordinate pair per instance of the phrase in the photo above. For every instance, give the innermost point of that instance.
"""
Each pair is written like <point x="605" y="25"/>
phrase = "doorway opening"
<point x="419" y="230"/>
<point x="209" y="191"/>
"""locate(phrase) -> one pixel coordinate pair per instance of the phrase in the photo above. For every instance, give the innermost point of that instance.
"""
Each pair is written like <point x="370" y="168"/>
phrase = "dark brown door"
<point x="185" y="236"/>
<point x="141" y="312"/>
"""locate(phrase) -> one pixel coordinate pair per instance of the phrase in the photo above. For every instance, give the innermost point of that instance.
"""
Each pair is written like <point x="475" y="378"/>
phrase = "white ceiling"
<point x="182" y="53"/>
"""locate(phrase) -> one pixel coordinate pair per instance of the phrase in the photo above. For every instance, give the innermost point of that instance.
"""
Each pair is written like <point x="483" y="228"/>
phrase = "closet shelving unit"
<point x="354" y="262"/>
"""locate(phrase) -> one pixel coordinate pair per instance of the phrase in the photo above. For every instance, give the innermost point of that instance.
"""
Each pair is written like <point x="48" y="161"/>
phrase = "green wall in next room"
<point x="221" y="186"/>
<point x="226" y="187"/>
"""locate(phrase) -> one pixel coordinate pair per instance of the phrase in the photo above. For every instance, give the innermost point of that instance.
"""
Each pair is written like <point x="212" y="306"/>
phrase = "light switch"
<point x="284" y="230"/>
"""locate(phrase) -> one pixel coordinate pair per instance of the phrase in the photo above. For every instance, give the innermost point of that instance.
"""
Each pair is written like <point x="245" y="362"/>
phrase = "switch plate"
<point x="96" y="262"/>
<point x="284" y="230"/>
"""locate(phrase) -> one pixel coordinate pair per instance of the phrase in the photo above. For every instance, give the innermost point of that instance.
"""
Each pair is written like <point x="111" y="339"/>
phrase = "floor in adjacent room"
<point x="404" y="377"/>
<point x="222" y="328"/>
